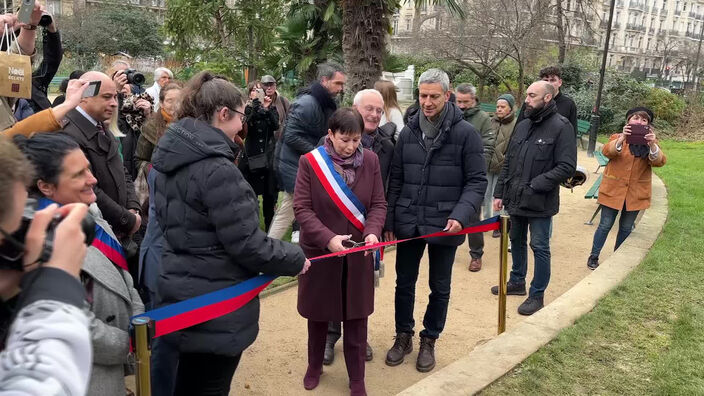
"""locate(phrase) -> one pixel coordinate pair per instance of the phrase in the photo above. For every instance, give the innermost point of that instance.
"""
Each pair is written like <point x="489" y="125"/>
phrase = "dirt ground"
<point x="276" y="362"/>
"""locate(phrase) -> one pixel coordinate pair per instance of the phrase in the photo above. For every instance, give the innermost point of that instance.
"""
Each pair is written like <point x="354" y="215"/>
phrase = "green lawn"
<point x="647" y="335"/>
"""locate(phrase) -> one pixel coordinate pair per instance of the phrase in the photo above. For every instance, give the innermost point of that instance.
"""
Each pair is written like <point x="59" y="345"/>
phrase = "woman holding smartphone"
<point x="626" y="185"/>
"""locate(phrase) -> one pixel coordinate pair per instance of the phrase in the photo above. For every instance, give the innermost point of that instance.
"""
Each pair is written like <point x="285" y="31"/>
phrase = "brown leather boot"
<point x="426" y="355"/>
<point x="475" y="265"/>
<point x="402" y="347"/>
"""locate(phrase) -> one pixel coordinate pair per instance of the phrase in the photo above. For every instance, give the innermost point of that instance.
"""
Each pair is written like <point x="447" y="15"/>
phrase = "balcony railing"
<point x="692" y="14"/>
<point x="636" y="6"/>
<point x="633" y="26"/>
<point x="651" y="30"/>
<point x="674" y="32"/>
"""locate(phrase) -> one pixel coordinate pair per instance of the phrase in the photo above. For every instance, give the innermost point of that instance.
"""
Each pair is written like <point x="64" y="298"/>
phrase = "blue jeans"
<point x="440" y="260"/>
<point x="539" y="243"/>
<point x="164" y="365"/>
<point x="608" y="218"/>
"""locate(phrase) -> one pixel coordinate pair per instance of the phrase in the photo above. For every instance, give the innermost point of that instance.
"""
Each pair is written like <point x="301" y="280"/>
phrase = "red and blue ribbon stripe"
<point x="109" y="246"/>
<point x="193" y="311"/>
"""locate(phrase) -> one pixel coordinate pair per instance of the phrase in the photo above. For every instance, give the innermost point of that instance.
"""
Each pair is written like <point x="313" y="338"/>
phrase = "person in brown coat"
<point x="342" y="288"/>
<point x="626" y="186"/>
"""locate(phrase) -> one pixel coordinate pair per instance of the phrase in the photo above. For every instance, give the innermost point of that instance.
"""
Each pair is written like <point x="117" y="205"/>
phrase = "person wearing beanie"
<point x="502" y="124"/>
<point x="626" y="186"/>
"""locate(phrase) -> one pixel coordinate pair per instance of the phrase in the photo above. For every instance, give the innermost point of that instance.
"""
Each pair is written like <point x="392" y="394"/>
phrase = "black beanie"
<point x="637" y="109"/>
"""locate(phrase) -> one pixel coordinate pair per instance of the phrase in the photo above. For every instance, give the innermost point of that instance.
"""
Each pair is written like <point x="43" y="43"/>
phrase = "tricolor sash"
<point x="103" y="241"/>
<point x="337" y="189"/>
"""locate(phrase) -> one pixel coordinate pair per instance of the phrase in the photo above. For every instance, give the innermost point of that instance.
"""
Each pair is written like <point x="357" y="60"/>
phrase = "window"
<point x="647" y="44"/>
<point x="408" y="23"/>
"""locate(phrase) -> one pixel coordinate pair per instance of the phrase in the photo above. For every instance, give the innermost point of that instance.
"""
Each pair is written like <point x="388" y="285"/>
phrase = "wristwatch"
<point x="29" y="27"/>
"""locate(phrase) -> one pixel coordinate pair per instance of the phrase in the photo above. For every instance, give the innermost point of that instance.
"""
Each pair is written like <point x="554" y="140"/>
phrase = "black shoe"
<point x="512" y="289"/>
<point x="531" y="305"/>
<point x="370" y="353"/>
<point x="426" y="355"/>
<point x="593" y="262"/>
<point x="329" y="353"/>
<point x="402" y="347"/>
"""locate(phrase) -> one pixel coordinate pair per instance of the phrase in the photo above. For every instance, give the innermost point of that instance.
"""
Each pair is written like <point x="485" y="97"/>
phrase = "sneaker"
<point x="475" y="265"/>
<point x="295" y="236"/>
<point x="593" y="262"/>
<point x="496" y="234"/>
<point x="531" y="305"/>
<point x="426" y="355"/>
<point x="512" y="289"/>
<point x="369" y="355"/>
<point x="402" y="346"/>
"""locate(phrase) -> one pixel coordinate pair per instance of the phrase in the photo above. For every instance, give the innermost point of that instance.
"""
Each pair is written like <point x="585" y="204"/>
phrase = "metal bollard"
<point x="143" y="338"/>
<point x="503" y="269"/>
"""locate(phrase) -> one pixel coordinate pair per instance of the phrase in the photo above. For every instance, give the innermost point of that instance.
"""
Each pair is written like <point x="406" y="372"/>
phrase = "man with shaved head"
<point x="541" y="154"/>
<point x="88" y="125"/>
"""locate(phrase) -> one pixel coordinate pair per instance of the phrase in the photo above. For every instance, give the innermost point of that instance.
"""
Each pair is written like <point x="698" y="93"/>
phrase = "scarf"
<point x="368" y="139"/>
<point x="323" y="97"/>
<point x="431" y="129"/>
<point x="167" y="117"/>
<point x="345" y="166"/>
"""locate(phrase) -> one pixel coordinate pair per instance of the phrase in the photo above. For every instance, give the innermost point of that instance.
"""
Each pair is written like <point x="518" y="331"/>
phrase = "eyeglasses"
<point x="372" y="109"/>
<point x="243" y="116"/>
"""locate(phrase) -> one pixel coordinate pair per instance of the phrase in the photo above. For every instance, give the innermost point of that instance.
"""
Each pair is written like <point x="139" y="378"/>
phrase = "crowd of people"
<point x="133" y="199"/>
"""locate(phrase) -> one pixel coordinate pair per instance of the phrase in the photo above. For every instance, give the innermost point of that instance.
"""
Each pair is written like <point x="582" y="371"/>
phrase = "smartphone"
<point x="638" y="133"/>
<point x="92" y="90"/>
<point x="260" y="95"/>
<point x="24" y="15"/>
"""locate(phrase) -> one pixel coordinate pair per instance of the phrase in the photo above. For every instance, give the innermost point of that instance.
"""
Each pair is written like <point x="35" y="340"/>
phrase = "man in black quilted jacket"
<point x="437" y="182"/>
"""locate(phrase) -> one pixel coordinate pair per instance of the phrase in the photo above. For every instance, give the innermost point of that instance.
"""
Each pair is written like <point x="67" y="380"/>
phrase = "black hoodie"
<point x="210" y="219"/>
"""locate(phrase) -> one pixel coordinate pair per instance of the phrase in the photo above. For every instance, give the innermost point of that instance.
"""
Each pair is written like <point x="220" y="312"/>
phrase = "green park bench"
<point x="593" y="193"/>
<point x="55" y="82"/>
<point x="601" y="159"/>
<point x="488" y="107"/>
<point x="583" y="127"/>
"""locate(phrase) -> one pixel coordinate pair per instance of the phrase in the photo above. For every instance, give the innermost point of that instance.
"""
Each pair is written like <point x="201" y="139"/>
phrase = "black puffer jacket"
<point x="428" y="187"/>
<point x="209" y="216"/>
<point x="541" y="154"/>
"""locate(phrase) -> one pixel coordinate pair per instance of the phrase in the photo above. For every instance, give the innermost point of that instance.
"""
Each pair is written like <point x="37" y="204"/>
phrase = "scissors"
<point x="350" y="244"/>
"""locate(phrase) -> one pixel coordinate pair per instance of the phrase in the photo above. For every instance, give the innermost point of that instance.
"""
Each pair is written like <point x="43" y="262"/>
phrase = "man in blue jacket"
<point x="306" y="123"/>
<point x="437" y="182"/>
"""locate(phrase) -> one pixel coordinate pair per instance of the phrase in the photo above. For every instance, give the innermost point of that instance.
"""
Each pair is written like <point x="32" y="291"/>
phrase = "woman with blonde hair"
<point x="392" y="111"/>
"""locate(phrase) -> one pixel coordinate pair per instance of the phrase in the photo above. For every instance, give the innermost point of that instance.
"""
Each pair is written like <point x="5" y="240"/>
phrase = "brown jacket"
<point x="44" y="121"/>
<point x="503" y="129"/>
<point x="627" y="178"/>
<point x="320" y="290"/>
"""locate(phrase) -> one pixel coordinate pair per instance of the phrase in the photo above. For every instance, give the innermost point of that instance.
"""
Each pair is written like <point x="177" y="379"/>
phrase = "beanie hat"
<point x="637" y="109"/>
<point x="508" y="98"/>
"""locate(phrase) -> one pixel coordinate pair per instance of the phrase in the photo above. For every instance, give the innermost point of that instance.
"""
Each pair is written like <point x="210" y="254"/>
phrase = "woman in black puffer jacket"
<point x="210" y="219"/>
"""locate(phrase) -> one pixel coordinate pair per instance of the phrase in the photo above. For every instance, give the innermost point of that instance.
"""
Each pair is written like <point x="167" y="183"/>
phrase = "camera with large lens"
<point x="134" y="77"/>
<point x="12" y="247"/>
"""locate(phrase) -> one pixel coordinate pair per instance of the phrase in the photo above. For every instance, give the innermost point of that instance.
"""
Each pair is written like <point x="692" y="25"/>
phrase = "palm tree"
<point x="365" y="24"/>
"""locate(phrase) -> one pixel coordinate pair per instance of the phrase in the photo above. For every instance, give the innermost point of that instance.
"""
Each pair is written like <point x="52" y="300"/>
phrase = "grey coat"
<point x="112" y="300"/>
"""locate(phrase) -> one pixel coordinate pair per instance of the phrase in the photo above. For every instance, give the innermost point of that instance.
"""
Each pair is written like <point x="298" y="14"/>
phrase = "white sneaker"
<point x="295" y="236"/>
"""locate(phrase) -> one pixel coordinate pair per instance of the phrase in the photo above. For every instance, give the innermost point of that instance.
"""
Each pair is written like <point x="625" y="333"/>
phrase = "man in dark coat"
<point x="541" y="154"/>
<point x="438" y="180"/>
<point x="565" y="105"/>
<point x="468" y="103"/>
<point x="117" y="199"/>
<point x="306" y="123"/>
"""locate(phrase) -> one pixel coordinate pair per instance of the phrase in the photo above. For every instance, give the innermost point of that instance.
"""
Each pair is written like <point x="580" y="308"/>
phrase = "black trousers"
<point x="476" y="240"/>
<point x="408" y="257"/>
<point x="205" y="374"/>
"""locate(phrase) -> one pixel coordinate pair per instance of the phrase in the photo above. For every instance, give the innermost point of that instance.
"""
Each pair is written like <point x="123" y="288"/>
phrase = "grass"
<point x="647" y="335"/>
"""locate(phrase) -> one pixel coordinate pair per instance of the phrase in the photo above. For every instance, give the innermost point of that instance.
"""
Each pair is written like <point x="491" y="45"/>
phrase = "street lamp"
<point x="594" y="124"/>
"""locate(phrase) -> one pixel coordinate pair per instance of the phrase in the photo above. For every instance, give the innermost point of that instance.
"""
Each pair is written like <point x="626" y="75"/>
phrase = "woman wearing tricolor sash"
<point x="339" y="201"/>
<point x="63" y="177"/>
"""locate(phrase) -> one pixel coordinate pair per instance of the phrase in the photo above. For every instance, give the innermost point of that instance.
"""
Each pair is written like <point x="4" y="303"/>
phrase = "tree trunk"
<point x="561" y="39"/>
<point x="364" y="25"/>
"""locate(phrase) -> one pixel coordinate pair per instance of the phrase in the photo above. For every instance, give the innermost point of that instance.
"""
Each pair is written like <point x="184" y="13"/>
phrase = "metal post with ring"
<point x="503" y="270"/>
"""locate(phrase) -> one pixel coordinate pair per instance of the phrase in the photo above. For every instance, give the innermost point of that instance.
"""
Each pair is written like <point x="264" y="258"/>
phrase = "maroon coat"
<point x="320" y="289"/>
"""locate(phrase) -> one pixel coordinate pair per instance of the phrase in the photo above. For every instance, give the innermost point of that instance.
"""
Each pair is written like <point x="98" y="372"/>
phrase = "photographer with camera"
<point x="52" y="54"/>
<point x="257" y="165"/>
<point x="63" y="177"/>
<point x="48" y="347"/>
